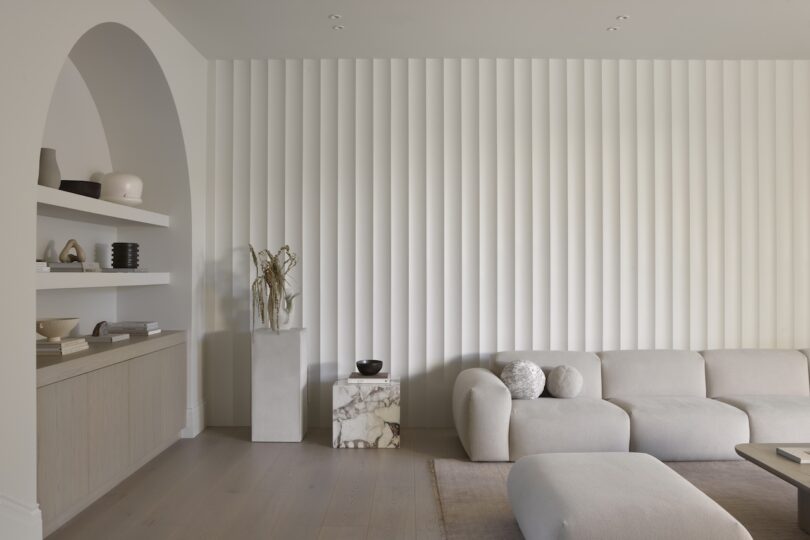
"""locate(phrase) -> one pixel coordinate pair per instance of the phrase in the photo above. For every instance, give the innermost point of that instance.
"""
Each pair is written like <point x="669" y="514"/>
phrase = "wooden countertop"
<point x="51" y="369"/>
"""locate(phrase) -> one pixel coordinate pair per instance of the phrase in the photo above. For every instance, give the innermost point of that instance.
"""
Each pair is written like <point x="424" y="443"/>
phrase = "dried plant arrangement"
<point x="270" y="287"/>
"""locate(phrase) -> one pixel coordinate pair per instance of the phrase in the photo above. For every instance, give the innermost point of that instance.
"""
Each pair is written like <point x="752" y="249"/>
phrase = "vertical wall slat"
<point x="611" y="210"/>
<point x="697" y="203"/>
<point x="593" y="205"/>
<point x="505" y="196"/>
<point x="328" y="235"/>
<point x="451" y="105"/>
<point x="783" y="199"/>
<point x="381" y="142"/>
<point x="522" y="202"/>
<point x="363" y="219"/>
<point x="470" y="190"/>
<point x="645" y="185"/>
<point x="628" y="209"/>
<point x="400" y="262"/>
<point x="293" y="167"/>
<point x="731" y="204"/>
<point x="575" y="129"/>
<point x="662" y="122"/>
<point x="558" y="204"/>
<point x="310" y="299"/>
<point x="801" y="202"/>
<point x="540" y="206"/>
<point x="488" y="225"/>
<point x="749" y="193"/>
<point x="766" y="201"/>
<point x="276" y="116"/>
<point x="417" y="272"/>
<point x="714" y="205"/>
<point x="681" y="264"/>
<point x="347" y="175"/>
<point x="240" y="269"/>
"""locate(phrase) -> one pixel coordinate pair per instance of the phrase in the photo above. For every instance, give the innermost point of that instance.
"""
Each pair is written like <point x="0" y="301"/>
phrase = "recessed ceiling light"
<point x="338" y="27"/>
<point x="335" y="16"/>
<point x="622" y="17"/>
<point x="612" y="28"/>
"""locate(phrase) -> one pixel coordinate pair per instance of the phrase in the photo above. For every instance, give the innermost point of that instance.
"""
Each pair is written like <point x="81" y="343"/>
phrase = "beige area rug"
<point x="474" y="504"/>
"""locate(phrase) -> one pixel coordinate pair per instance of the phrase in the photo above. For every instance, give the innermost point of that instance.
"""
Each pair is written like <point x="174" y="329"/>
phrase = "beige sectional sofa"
<point x="674" y="405"/>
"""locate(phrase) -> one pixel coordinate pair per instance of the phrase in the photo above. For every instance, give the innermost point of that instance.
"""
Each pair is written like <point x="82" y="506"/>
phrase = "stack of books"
<point x="797" y="454"/>
<point x="74" y="267"/>
<point x="135" y="328"/>
<point x="66" y="346"/>
<point x="42" y="266"/>
<point x="382" y="377"/>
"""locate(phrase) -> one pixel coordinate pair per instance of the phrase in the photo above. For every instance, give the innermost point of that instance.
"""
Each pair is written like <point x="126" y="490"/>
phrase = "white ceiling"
<point x="492" y="28"/>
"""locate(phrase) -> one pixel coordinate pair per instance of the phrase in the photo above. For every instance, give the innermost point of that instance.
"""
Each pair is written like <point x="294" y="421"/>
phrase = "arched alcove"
<point x="144" y="137"/>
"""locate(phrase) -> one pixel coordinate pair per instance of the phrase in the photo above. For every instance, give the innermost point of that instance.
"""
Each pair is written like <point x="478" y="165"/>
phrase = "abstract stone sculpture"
<point x="66" y="257"/>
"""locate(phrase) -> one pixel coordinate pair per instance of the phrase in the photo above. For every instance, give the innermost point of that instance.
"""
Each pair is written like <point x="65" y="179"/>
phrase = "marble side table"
<point x="365" y="415"/>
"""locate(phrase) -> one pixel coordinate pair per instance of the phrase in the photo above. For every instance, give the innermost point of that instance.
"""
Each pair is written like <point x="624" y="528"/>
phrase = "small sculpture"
<point x="101" y="329"/>
<point x="66" y="257"/>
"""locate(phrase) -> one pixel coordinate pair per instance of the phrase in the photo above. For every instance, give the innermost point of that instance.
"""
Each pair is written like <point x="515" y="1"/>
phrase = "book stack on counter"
<point x="66" y="346"/>
<point x="382" y="377"/>
<point x="134" y="328"/>
<point x="42" y="266"/>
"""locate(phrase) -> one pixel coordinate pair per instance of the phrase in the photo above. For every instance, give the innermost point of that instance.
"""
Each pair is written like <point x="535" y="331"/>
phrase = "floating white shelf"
<point x="89" y="280"/>
<point x="61" y="204"/>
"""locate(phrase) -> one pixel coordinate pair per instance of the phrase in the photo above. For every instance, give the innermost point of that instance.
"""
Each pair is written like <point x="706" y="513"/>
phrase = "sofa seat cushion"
<point x="775" y="419"/>
<point x="684" y="428"/>
<point x="567" y="425"/>
<point x="618" y="496"/>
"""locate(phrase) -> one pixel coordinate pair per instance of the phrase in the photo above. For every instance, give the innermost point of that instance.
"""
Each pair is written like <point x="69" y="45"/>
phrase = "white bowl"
<point x="122" y="188"/>
<point x="55" y="329"/>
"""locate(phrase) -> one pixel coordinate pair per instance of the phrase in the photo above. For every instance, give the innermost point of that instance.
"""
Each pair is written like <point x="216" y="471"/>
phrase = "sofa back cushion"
<point x="586" y="363"/>
<point x="756" y="372"/>
<point x="652" y="373"/>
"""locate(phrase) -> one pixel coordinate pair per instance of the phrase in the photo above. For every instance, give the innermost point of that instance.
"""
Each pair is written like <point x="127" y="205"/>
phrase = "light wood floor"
<point x="220" y="485"/>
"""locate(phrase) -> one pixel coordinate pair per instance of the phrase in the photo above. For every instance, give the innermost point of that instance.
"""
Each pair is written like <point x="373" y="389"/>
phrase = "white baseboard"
<point x="195" y="421"/>
<point x="19" y="521"/>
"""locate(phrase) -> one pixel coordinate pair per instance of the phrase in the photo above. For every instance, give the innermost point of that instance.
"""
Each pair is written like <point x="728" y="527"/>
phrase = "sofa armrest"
<point x="482" y="405"/>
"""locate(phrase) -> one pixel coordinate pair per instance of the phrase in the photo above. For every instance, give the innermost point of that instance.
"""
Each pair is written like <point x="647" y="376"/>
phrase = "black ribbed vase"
<point x="124" y="255"/>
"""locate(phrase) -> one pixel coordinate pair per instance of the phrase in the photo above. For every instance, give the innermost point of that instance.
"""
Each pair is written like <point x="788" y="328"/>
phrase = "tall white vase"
<point x="49" y="174"/>
<point x="278" y="385"/>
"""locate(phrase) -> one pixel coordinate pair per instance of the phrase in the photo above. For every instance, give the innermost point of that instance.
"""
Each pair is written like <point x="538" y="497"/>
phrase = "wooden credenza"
<point x="101" y="415"/>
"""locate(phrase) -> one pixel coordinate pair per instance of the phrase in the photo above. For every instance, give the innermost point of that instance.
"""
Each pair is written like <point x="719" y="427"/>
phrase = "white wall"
<point x="446" y="209"/>
<point x="35" y="38"/>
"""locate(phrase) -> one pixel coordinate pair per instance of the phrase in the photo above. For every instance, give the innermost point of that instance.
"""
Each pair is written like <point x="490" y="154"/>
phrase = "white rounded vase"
<point x="122" y="188"/>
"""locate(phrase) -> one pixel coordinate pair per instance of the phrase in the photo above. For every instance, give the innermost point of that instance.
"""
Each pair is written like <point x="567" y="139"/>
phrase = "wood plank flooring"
<point x="220" y="485"/>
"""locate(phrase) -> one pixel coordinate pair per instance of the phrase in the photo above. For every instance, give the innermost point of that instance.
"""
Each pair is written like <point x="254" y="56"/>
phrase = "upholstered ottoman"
<point x="625" y="496"/>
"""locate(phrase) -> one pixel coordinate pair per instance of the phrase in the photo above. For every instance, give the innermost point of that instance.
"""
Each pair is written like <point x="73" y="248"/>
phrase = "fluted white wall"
<point x="446" y="209"/>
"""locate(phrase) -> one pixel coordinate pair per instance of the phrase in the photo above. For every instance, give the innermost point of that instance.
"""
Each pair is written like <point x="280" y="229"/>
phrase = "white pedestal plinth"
<point x="279" y="385"/>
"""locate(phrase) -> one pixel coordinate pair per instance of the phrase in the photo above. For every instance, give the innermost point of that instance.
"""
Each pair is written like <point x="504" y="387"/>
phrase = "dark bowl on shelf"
<point x="81" y="187"/>
<point x="369" y="367"/>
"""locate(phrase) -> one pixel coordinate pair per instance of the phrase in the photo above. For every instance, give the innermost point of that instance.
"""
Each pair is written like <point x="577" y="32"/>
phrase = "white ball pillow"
<point x="524" y="379"/>
<point x="564" y="382"/>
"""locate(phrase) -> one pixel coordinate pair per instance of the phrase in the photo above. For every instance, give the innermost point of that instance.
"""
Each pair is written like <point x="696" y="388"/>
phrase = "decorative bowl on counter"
<point x="369" y="367"/>
<point x="55" y="329"/>
<point x="88" y="188"/>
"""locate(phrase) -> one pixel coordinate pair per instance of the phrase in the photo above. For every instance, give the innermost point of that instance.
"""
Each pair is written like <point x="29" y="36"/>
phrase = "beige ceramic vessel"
<point x="56" y="329"/>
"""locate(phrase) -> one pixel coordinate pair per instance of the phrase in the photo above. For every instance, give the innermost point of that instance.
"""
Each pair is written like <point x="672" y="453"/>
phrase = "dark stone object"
<point x="369" y="367"/>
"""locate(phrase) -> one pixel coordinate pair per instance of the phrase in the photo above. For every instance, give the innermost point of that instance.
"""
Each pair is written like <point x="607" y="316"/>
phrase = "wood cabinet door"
<point x="108" y="410"/>
<point x="62" y="456"/>
<point x="145" y="406"/>
<point x="174" y="391"/>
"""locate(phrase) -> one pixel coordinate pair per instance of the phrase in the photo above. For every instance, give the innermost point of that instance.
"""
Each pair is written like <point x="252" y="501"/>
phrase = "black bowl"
<point x="369" y="367"/>
<point x="81" y="187"/>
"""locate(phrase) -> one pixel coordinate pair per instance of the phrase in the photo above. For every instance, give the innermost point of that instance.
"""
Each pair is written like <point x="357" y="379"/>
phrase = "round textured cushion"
<point x="524" y="379"/>
<point x="565" y="382"/>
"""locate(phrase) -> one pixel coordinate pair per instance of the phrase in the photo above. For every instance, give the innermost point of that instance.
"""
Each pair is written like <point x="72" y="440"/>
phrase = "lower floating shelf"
<point x="91" y="280"/>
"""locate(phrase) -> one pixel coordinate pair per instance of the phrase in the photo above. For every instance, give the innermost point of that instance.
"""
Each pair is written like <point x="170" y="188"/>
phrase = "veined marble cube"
<point x="365" y="415"/>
